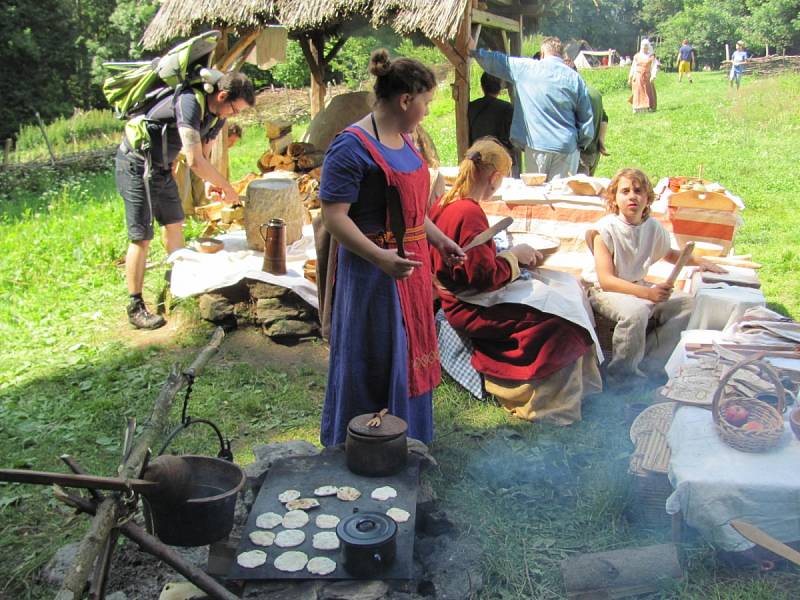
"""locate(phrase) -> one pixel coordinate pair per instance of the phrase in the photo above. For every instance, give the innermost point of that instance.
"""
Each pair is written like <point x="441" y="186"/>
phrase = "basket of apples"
<point x="746" y="423"/>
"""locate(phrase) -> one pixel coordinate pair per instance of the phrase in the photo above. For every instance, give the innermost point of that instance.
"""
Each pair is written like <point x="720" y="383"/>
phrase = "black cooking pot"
<point x="368" y="542"/>
<point x="376" y="451"/>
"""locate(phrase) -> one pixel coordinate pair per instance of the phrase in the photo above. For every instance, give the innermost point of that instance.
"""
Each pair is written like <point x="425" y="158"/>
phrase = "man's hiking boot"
<point x="141" y="318"/>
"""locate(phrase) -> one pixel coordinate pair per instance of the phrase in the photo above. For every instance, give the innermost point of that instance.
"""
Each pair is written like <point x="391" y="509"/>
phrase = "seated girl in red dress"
<point x="539" y="365"/>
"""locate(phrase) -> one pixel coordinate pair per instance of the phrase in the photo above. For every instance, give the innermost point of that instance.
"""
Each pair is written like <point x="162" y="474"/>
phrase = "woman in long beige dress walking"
<point x="640" y="78"/>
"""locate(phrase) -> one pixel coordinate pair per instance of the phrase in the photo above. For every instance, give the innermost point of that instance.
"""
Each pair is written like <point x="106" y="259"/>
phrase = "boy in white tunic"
<point x="625" y="244"/>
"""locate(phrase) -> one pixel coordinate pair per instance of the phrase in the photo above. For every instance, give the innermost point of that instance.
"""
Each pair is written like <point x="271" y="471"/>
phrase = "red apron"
<point x="415" y="292"/>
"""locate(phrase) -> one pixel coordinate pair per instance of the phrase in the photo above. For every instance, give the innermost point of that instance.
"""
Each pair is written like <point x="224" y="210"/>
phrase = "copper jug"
<point x="274" y="235"/>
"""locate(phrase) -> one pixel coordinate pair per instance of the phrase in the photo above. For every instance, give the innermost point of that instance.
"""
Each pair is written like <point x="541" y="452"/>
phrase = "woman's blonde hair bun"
<point x="379" y="63"/>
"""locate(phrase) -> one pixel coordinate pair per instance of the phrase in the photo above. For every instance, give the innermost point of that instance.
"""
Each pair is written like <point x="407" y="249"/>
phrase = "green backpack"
<point x="139" y="85"/>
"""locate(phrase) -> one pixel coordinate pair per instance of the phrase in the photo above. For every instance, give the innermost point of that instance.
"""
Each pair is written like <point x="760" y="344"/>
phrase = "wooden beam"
<point x="482" y="17"/>
<point x="238" y="50"/>
<point x="461" y="83"/>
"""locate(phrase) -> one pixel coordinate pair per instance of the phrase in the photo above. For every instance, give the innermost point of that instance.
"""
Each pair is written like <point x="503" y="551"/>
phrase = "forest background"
<point x="53" y="50"/>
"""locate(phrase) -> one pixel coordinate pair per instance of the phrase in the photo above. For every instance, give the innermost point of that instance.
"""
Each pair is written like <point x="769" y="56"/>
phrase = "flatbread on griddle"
<point x="262" y="538"/>
<point x="325" y="540"/>
<point x="302" y="504"/>
<point x="348" y="494"/>
<point x="252" y="559"/>
<point x="291" y="561"/>
<point x="268" y="520"/>
<point x="287" y="495"/>
<point x="294" y="519"/>
<point x="326" y="521"/>
<point x="289" y="538"/>
<point x="398" y="514"/>
<point x="383" y="493"/>
<point x="321" y="565"/>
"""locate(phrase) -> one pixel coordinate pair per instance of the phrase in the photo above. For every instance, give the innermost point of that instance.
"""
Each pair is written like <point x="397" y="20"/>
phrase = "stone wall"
<point x="278" y="311"/>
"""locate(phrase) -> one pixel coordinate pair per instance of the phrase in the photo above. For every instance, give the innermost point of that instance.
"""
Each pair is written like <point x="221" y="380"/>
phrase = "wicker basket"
<point x="761" y="412"/>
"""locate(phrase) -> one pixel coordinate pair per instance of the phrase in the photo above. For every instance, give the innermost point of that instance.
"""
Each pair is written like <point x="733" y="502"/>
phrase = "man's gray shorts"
<point x="164" y="204"/>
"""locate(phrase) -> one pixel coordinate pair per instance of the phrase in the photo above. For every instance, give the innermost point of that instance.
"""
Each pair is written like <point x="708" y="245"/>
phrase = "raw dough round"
<point x="289" y="538"/>
<point x="268" y="520"/>
<point x="326" y="521"/>
<point x="291" y="561"/>
<point x="294" y="519"/>
<point x="326" y="490"/>
<point x="321" y="565"/>
<point x="383" y="493"/>
<point x="399" y="515"/>
<point x="262" y="538"/>
<point x="326" y="540"/>
<point x="284" y="497"/>
<point x="252" y="559"/>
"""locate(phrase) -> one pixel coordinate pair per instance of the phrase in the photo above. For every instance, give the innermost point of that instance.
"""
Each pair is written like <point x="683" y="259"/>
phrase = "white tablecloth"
<point x="196" y="273"/>
<point x="714" y="483"/>
<point x="717" y="305"/>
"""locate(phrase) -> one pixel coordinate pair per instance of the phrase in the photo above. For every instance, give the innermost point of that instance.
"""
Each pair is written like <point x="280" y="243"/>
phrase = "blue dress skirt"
<point x="368" y="365"/>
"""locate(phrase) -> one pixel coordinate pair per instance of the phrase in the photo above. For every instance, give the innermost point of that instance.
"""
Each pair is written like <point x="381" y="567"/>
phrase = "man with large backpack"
<point x="186" y="121"/>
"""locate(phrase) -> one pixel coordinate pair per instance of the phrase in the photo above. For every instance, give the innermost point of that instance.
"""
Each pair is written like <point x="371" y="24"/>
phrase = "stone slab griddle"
<point x="305" y="473"/>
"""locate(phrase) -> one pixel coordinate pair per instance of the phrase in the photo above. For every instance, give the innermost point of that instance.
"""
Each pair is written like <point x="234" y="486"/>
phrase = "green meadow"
<point x="71" y="370"/>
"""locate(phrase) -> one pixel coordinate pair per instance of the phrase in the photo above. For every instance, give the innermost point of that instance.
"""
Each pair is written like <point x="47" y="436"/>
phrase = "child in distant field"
<point x="625" y="244"/>
<point x="738" y="58"/>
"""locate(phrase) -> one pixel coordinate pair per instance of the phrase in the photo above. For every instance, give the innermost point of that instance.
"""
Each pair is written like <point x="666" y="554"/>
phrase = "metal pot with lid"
<point x="376" y="450"/>
<point x="368" y="542"/>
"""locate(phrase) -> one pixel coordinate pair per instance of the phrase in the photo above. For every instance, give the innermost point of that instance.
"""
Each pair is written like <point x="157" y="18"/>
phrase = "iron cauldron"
<point x="206" y="516"/>
<point x="376" y="451"/>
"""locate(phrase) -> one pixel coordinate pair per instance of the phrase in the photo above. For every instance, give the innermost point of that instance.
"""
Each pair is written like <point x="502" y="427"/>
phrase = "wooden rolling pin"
<point x="684" y="257"/>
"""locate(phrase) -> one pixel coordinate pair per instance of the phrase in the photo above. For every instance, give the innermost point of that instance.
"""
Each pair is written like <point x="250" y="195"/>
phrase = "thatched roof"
<point x="179" y="18"/>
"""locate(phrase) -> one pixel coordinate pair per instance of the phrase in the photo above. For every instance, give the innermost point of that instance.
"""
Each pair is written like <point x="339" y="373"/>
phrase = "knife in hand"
<point x="487" y="234"/>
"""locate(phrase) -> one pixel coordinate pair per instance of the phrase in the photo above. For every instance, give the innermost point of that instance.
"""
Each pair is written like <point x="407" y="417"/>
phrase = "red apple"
<point x="753" y="426"/>
<point x="736" y="415"/>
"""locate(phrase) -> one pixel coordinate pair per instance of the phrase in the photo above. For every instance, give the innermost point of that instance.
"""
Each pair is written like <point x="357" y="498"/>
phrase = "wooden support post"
<point x="461" y="84"/>
<point x="219" y="150"/>
<point x="108" y="511"/>
<point x="46" y="140"/>
<point x="6" y="151"/>
<point x="313" y="46"/>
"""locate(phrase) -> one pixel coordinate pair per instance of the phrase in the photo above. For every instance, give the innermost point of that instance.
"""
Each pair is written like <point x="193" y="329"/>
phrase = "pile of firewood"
<point x="286" y="155"/>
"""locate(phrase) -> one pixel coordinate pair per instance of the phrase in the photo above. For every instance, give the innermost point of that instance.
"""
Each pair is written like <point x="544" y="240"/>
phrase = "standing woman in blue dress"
<point x="374" y="193"/>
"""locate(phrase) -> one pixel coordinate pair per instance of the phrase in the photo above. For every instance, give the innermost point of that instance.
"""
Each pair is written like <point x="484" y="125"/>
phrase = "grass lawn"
<point x="531" y="495"/>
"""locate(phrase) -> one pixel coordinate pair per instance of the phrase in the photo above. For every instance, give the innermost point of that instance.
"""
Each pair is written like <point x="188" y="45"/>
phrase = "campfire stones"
<point x="398" y="515"/>
<point x="268" y="520"/>
<point x="326" y="521"/>
<point x="326" y="490"/>
<point x="321" y="565"/>
<point x="325" y="540"/>
<point x="262" y="538"/>
<point x="290" y="538"/>
<point x="302" y="504"/>
<point x="252" y="559"/>
<point x="288" y="496"/>
<point x="294" y="519"/>
<point x="291" y="561"/>
<point x="348" y="494"/>
<point x="384" y="493"/>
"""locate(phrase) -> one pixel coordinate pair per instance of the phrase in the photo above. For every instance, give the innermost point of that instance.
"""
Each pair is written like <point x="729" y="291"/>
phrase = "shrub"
<point x="607" y="80"/>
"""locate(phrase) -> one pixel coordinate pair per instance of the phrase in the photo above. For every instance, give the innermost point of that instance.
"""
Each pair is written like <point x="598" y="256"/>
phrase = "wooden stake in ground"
<point x="109" y="510"/>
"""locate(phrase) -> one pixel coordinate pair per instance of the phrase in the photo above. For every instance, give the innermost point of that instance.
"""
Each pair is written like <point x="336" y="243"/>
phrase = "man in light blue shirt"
<point x="552" y="111"/>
